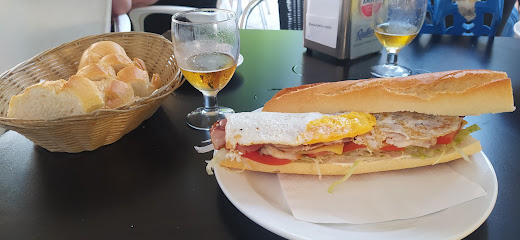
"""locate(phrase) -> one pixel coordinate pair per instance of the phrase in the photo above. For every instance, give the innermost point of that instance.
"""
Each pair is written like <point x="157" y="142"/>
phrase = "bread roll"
<point x="98" y="50"/>
<point x="88" y="59"/>
<point x="139" y="63"/>
<point x="104" y="48"/>
<point x="453" y="93"/>
<point x="55" y="99"/>
<point x="377" y="164"/>
<point x="97" y="72"/>
<point x="138" y="79"/>
<point x="115" y="93"/>
<point x="117" y="61"/>
<point x="157" y="81"/>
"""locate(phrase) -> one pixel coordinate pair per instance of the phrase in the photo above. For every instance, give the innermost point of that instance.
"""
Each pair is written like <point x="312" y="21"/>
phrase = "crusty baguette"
<point x="56" y="99"/>
<point x="97" y="72"/>
<point x="468" y="146"/>
<point x="453" y="93"/>
<point x="98" y="50"/>
<point x="117" y="61"/>
<point x="115" y="93"/>
<point x="88" y="59"/>
<point x="87" y="92"/>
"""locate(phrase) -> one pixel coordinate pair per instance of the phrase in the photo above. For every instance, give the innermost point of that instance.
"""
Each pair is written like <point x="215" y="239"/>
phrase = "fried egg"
<point x="294" y="129"/>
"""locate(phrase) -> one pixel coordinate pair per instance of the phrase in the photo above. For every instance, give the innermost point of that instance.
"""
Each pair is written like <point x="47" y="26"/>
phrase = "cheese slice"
<point x="336" y="148"/>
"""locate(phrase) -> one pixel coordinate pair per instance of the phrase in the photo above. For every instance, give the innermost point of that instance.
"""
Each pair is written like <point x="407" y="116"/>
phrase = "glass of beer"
<point x="206" y="48"/>
<point x="396" y="23"/>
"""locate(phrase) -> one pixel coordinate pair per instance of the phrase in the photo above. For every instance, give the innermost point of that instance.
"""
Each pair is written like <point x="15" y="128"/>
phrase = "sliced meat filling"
<point x="401" y="129"/>
<point x="405" y="129"/>
<point x="218" y="134"/>
<point x="295" y="152"/>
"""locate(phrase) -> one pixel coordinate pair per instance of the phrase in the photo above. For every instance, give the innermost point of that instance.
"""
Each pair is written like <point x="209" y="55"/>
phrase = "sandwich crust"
<point x="469" y="146"/>
<point x="452" y="93"/>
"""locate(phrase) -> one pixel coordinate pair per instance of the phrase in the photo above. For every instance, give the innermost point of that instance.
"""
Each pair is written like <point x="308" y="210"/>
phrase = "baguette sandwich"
<point x="363" y="126"/>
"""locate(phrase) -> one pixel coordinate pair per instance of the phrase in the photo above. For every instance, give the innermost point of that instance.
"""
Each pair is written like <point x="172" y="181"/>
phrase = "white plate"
<point x="259" y="197"/>
<point x="240" y="60"/>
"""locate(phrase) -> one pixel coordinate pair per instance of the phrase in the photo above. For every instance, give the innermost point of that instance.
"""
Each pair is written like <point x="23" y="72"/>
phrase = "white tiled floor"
<point x="263" y="16"/>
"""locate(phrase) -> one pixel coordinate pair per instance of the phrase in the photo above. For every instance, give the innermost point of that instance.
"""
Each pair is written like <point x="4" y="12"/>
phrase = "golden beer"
<point x="395" y="35"/>
<point x="209" y="72"/>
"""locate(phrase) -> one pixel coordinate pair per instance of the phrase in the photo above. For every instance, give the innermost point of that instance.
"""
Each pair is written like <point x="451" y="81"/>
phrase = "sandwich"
<point x="363" y="126"/>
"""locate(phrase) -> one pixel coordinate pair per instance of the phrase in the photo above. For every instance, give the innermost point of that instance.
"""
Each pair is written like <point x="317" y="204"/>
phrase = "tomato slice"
<point x="448" y="138"/>
<point x="265" y="159"/>
<point x="351" y="146"/>
<point x="390" y="147"/>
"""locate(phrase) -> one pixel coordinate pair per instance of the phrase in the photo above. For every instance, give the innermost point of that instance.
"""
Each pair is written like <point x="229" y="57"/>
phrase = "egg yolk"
<point x="335" y="127"/>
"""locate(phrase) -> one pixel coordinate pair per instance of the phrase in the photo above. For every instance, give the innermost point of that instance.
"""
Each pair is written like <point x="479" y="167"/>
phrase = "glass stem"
<point x="391" y="58"/>
<point x="210" y="103"/>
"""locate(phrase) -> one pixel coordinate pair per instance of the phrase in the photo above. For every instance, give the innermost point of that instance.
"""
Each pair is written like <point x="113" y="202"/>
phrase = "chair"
<point x="291" y="14"/>
<point x="121" y="23"/>
<point x="446" y="18"/>
<point x="428" y="26"/>
<point x="138" y="15"/>
<point x="244" y="16"/>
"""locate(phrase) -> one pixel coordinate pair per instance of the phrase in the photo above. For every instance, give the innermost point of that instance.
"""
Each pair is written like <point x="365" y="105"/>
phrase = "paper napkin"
<point x="377" y="197"/>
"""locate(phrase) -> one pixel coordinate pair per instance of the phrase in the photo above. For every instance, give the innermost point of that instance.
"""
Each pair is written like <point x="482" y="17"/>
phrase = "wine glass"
<point x="396" y="24"/>
<point x="206" y="47"/>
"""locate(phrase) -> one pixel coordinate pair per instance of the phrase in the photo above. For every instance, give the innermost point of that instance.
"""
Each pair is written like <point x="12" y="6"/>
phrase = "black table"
<point x="152" y="183"/>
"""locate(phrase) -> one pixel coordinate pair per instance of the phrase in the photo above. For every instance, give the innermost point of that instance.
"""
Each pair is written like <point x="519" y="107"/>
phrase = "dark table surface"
<point x="152" y="183"/>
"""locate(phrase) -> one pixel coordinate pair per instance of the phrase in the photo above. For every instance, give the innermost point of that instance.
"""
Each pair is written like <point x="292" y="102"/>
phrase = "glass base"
<point x="389" y="70"/>
<point x="203" y="120"/>
<point x="419" y="71"/>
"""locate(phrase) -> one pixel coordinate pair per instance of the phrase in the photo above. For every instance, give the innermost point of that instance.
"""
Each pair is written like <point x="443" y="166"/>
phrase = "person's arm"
<point x="124" y="6"/>
<point x="142" y="3"/>
<point x="121" y="7"/>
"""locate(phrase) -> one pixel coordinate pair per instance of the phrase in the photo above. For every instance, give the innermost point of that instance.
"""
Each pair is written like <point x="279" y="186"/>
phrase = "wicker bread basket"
<point x="101" y="127"/>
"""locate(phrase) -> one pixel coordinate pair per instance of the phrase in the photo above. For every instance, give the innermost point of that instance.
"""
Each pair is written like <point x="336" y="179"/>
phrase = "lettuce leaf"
<point x="347" y="176"/>
<point x="463" y="133"/>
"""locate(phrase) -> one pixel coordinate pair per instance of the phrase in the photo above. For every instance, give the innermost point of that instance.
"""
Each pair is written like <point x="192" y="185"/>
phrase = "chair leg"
<point x="247" y="11"/>
<point x="262" y="15"/>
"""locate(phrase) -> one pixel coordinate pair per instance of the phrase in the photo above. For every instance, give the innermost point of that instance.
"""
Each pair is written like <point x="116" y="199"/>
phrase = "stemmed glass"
<point x="206" y="47"/>
<point x="396" y="24"/>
